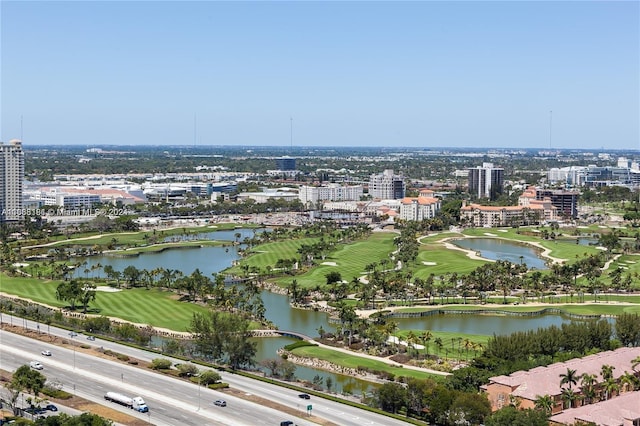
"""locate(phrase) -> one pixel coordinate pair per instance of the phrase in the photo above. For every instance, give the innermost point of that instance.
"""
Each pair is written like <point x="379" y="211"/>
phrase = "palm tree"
<point x="607" y="372"/>
<point x="570" y="378"/>
<point x="412" y="339"/>
<point x="425" y="337"/>
<point x="588" y="382"/>
<point x="568" y="396"/>
<point x="544" y="403"/>
<point x="628" y="382"/>
<point x="439" y="344"/>
<point x="610" y="386"/>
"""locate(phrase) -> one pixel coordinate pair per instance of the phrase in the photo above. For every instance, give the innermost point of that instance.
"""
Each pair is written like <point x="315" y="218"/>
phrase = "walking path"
<point x="347" y="351"/>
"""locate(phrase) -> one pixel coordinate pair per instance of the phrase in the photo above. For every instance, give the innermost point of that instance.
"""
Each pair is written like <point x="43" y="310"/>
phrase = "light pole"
<point x="73" y="344"/>
<point x="198" y="394"/>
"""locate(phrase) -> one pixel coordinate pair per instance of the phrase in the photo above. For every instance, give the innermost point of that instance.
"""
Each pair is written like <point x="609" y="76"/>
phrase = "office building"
<point x="486" y="181"/>
<point x="11" y="177"/>
<point x="285" y="163"/>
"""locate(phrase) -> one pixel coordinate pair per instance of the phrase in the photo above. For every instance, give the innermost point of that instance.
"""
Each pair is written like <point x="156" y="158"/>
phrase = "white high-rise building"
<point x="11" y="176"/>
<point x="387" y="186"/>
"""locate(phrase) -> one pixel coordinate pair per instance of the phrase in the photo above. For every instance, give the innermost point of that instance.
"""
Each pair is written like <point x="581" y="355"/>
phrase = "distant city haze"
<point x="304" y="74"/>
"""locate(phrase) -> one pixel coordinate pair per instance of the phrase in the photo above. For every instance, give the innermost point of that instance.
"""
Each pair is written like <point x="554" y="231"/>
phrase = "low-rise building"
<point x="525" y="387"/>
<point x="623" y="410"/>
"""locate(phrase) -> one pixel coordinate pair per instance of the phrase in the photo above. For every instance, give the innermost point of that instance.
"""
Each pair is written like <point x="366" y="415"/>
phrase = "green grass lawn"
<point x="153" y="307"/>
<point x="166" y="246"/>
<point x="436" y="259"/>
<point x="354" y="361"/>
<point x="267" y="255"/>
<point x="450" y="342"/>
<point x="349" y="260"/>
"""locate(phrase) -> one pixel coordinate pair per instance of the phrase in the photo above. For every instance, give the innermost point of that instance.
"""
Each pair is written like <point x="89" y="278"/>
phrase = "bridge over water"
<point x="283" y="333"/>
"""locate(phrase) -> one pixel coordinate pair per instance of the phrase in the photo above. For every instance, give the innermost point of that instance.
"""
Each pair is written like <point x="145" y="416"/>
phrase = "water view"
<point x="497" y="249"/>
<point x="215" y="259"/>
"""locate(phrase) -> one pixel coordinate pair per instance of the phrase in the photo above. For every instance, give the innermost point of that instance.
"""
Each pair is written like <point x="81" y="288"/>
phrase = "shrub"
<point x="160" y="364"/>
<point x="56" y="393"/>
<point x="187" y="370"/>
<point x="220" y="385"/>
<point x="209" y="377"/>
<point x="298" y="344"/>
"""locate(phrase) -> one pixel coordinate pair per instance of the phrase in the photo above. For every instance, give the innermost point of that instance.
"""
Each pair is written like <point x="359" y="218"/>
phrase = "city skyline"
<point x="411" y="74"/>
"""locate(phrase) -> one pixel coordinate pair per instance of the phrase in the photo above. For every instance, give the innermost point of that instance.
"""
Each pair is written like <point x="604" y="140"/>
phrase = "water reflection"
<point x="497" y="249"/>
<point x="481" y="324"/>
<point x="268" y="347"/>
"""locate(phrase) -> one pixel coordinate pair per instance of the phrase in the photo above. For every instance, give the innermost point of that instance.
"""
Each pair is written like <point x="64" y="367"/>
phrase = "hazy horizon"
<point x="430" y="75"/>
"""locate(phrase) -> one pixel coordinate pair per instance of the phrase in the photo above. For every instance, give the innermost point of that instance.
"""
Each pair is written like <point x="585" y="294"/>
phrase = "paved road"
<point x="165" y="395"/>
<point x="171" y="401"/>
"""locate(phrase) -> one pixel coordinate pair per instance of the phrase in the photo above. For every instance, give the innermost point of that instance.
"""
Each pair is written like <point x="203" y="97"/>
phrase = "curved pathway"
<point x="349" y="352"/>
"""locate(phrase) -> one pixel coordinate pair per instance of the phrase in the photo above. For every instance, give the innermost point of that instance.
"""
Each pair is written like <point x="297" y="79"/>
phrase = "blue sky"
<point x="424" y="74"/>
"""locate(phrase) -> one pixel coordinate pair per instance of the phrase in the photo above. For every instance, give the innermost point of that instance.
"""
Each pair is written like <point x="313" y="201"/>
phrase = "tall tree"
<point x="569" y="378"/>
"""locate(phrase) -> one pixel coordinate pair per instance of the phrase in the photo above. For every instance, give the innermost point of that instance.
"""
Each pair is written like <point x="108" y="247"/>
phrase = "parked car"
<point x="304" y="396"/>
<point x="46" y="353"/>
<point x="36" y="365"/>
<point x="220" y="402"/>
<point x="51" y="407"/>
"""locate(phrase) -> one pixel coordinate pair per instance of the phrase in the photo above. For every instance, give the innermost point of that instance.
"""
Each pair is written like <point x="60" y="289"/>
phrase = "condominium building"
<point x="566" y="202"/>
<point x="419" y="208"/>
<point x="486" y="181"/>
<point x="11" y="177"/>
<point x="387" y="186"/>
<point x="495" y="216"/>
<point x="525" y="387"/>
<point x="332" y="192"/>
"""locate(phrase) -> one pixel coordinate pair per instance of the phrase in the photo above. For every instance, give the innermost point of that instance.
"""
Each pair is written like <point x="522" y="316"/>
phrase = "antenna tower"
<point x="550" y="124"/>
<point x="194" y="129"/>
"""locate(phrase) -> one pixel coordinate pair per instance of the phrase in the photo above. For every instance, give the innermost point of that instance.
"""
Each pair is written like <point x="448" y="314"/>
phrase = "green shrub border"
<point x="298" y="344"/>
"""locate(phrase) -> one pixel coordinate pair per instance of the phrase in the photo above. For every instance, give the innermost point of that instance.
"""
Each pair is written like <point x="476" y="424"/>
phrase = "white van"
<point x="36" y="365"/>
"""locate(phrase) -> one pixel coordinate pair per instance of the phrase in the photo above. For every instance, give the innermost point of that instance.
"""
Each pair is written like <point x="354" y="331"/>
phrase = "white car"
<point x="46" y="353"/>
<point x="36" y="365"/>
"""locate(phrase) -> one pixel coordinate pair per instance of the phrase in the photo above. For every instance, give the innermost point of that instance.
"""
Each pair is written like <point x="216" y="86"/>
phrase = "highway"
<point x="171" y="401"/>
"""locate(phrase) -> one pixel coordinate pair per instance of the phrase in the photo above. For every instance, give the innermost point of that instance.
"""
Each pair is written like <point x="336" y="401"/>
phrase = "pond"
<point x="278" y="310"/>
<point x="484" y="324"/>
<point x="498" y="249"/>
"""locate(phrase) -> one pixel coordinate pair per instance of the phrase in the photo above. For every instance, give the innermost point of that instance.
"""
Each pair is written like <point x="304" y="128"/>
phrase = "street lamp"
<point x="73" y="344"/>
<point x="199" y="379"/>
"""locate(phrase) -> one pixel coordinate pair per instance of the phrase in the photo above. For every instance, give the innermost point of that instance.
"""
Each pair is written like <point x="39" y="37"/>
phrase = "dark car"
<point x="304" y="396"/>
<point x="51" y="407"/>
<point x="286" y="423"/>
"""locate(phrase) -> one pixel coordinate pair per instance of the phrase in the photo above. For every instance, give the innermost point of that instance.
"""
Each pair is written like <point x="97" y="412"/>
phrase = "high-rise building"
<point x="286" y="163"/>
<point x="11" y="176"/>
<point x="387" y="186"/>
<point x="486" y="181"/>
<point x="565" y="201"/>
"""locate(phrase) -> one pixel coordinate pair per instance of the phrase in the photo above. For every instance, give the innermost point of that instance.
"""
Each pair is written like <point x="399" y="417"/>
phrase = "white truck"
<point x="136" y="403"/>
